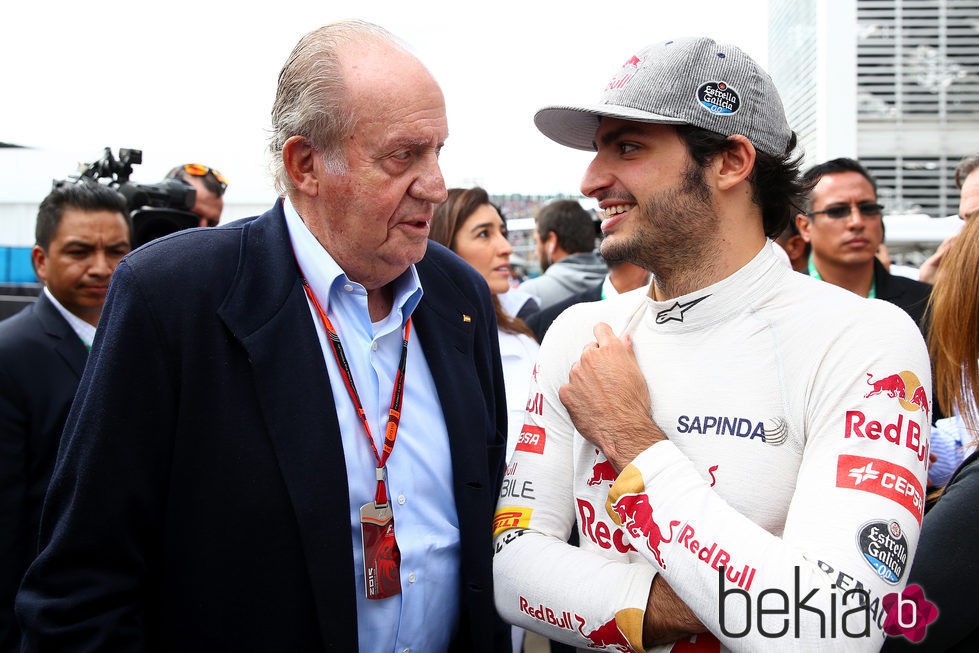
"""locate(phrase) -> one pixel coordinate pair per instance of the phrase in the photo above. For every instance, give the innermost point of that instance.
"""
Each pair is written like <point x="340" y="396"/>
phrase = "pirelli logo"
<point x="507" y="518"/>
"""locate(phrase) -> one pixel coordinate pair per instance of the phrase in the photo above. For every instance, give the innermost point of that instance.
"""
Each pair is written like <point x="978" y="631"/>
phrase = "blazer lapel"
<point x="68" y="345"/>
<point x="267" y="312"/>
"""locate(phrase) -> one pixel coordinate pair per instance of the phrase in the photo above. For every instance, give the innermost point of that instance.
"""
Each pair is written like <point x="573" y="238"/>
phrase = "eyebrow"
<point x="614" y="135"/>
<point x="486" y="225"/>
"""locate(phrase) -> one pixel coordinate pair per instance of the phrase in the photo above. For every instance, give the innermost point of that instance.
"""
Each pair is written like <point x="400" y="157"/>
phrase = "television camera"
<point x="155" y="209"/>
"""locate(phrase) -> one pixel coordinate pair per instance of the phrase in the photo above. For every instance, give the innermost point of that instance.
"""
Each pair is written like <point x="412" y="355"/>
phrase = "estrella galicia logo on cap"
<point x="719" y="98"/>
<point x="884" y="548"/>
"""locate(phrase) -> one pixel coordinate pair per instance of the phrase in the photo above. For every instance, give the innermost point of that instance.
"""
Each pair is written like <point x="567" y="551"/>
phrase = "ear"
<point x="734" y="164"/>
<point x="300" y="160"/>
<point x="551" y="243"/>
<point x="38" y="260"/>
<point x="803" y="225"/>
<point x="795" y="247"/>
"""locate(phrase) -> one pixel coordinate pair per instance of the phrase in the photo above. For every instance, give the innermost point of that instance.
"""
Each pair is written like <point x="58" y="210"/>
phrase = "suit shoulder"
<point x="441" y="265"/>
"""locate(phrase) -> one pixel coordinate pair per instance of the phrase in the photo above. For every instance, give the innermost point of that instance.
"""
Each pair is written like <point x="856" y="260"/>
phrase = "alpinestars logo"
<point x="675" y="313"/>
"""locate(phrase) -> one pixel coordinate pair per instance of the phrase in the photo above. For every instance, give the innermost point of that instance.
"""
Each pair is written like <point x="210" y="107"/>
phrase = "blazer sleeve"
<point x="85" y="593"/>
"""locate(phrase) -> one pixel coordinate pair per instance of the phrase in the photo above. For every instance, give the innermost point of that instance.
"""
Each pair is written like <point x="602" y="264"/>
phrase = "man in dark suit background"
<point x="81" y="234"/>
<point x="844" y="225"/>
<point x="222" y="461"/>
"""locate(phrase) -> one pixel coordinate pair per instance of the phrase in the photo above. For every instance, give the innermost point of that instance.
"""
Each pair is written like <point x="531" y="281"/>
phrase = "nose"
<point x="430" y="185"/>
<point x="505" y="248"/>
<point x="100" y="267"/>
<point x="596" y="178"/>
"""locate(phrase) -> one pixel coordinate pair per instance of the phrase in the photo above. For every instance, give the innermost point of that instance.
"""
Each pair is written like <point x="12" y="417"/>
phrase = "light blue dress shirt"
<point x="419" y="470"/>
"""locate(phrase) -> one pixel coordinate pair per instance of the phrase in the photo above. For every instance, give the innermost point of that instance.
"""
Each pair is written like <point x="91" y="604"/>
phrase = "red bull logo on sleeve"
<point x="903" y="386"/>
<point x="602" y="471"/>
<point x="532" y="439"/>
<point x="621" y="633"/>
<point x="635" y="514"/>
<point x="903" y="431"/>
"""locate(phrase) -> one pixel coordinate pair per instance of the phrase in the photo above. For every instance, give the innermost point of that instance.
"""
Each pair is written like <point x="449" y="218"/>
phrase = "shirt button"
<point x="348" y="287"/>
<point x="401" y="499"/>
<point x="374" y="346"/>
<point x="411" y="577"/>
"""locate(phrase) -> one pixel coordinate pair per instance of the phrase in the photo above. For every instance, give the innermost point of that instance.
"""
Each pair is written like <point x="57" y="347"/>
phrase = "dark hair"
<point x="84" y="196"/>
<point x="965" y="168"/>
<point x="775" y="183"/>
<point x="210" y="182"/>
<point x="448" y="219"/>
<point x="571" y="222"/>
<point x="812" y="176"/>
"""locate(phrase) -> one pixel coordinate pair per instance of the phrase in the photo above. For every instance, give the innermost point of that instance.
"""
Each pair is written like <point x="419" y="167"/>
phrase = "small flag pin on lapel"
<point x="466" y="318"/>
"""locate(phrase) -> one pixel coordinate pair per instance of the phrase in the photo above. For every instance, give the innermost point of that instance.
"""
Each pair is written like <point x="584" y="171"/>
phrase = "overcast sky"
<point x="194" y="81"/>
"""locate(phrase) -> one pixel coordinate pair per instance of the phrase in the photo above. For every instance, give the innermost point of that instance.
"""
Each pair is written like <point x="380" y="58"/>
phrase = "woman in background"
<point x="472" y="227"/>
<point x="945" y="565"/>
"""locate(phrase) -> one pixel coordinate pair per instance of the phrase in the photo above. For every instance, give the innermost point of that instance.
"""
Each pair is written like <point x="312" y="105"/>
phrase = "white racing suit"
<point x="797" y="421"/>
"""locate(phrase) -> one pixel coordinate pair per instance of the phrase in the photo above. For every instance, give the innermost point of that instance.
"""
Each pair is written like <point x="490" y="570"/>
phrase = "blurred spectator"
<point x="795" y="247"/>
<point x="944" y="564"/>
<point x="968" y="184"/>
<point x="622" y="277"/>
<point x="82" y="231"/>
<point x="565" y="238"/>
<point x="210" y="186"/>
<point x="844" y="225"/>
<point x="472" y="227"/>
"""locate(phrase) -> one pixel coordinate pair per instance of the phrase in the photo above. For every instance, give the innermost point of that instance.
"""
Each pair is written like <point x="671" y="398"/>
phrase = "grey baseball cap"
<point x="691" y="81"/>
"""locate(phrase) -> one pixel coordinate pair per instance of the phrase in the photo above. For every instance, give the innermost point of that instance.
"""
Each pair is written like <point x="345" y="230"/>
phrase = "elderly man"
<point x="292" y="430"/>
<point x="82" y="233"/>
<point x="720" y="443"/>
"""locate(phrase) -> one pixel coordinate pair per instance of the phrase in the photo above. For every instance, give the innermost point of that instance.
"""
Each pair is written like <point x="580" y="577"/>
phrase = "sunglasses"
<point x="866" y="209"/>
<point x="200" y="170"/>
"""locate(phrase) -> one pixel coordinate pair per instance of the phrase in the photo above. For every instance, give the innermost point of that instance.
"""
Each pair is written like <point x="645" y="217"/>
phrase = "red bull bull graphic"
<point x="602" y="471"/>
<point x="903" y="386"/>
<point x="636" y="516"/>
<point x="716" y="557"/>
<point x="512" y="517"/>
<point x="532" y="439"/>
<point x="883" y="478"/>
<point x="608" y="637"/>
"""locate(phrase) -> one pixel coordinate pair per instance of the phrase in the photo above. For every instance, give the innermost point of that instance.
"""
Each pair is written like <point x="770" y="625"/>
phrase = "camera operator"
<point x="82" y="232"/>
<point x="210" y="186"/>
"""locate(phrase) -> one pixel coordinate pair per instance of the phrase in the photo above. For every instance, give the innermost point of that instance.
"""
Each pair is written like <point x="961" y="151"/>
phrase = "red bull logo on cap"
<point x="903" y="386"/>
<point x="635" y="513"/>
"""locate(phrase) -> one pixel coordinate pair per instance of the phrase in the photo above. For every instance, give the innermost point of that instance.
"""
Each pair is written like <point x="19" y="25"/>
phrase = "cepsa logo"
<point x="512" y="517"/>
<point x="883" y="478"/>
<point x="532" y="439"/>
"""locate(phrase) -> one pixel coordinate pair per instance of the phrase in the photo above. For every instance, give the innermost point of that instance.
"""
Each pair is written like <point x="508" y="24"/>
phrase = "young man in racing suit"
<point x="743" y="450"/>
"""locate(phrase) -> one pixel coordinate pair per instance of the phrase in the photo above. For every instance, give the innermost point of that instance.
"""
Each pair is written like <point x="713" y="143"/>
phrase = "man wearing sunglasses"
<point x="844" y="225"/>
<point x="210" y="186"/>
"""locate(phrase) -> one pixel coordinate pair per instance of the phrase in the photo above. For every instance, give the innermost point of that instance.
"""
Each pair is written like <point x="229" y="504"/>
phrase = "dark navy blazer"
<point x="199" y="502"/>
<point x="41" y="362"/>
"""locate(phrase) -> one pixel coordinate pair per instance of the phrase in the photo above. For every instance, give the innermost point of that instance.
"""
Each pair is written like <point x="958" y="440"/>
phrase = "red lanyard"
<point x="394" y="413"/>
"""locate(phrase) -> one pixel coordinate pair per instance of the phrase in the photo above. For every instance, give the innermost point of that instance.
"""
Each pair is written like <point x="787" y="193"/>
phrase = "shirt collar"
<point x="84" y="330"/>
<point x="324" y="274"/>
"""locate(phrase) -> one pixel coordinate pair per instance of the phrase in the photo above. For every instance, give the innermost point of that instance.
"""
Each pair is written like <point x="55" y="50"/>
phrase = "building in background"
<point x="893" y="83"/>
